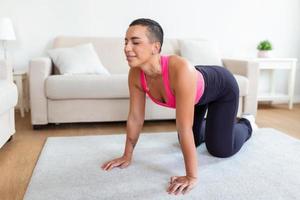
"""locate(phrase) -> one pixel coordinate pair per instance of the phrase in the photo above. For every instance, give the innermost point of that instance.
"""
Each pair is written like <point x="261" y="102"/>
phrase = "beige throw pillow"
<point x="81" y="59"/>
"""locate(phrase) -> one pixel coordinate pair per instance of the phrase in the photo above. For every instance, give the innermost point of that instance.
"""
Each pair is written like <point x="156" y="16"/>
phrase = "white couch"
<point x="90" y="98"/>
<point x="8" y="100"/>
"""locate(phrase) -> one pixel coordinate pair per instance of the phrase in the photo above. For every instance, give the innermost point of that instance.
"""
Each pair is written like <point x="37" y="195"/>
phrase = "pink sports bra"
<point x="171" y="101"/>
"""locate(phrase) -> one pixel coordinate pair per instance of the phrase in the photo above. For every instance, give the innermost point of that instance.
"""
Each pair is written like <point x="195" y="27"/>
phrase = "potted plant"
<point x="264" y="47"/>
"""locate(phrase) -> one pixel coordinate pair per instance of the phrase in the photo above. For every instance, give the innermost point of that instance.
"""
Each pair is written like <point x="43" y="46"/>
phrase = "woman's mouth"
<point x="130" y="58"/>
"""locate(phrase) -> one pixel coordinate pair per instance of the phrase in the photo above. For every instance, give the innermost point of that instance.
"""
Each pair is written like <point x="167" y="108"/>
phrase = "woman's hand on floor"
<point x="181" y="184"/>
<point x="121" y="162"/>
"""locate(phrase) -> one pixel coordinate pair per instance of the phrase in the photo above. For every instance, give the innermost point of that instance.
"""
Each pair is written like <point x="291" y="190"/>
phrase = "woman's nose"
<point x="127" y="47"/>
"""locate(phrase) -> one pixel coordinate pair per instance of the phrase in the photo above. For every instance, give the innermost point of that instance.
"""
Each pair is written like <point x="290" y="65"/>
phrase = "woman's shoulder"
<point x="134" y="77"/>
<point x="176" y="58"/>
<point x="178" y="63"/>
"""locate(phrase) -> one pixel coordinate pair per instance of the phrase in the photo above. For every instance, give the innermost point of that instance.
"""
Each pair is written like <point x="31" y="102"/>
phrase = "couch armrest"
<point x="250" y="70"/>
<point x="6" y="70"/>
<point x="39" y="70"/>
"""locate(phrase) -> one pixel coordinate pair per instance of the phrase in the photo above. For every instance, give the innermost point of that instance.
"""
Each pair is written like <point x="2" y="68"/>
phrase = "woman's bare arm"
<point x="134" y="123"/>
<point x="185" y="92"/>
<point x="136" y="114"/>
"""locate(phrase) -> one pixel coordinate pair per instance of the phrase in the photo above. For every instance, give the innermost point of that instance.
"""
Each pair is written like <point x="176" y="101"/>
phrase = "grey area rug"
<point x="267" y="167"/>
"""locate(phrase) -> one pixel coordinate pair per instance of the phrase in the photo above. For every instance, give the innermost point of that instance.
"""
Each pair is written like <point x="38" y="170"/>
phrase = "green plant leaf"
<point x="264" y="45"/>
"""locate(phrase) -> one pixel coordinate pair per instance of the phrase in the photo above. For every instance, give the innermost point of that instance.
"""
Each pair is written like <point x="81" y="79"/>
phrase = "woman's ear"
<point x="156" y="49"/>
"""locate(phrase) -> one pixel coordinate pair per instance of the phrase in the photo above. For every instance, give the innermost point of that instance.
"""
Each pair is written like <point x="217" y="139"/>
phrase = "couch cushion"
<point x="99" y="86"/>
<point x="110" y="50"/>
<point x="87" y="86"/>
<point x="8" y="95"/>
<point x="243" y="83"/>
<point x="80" y="59"/>
<point x="200" y="52"/>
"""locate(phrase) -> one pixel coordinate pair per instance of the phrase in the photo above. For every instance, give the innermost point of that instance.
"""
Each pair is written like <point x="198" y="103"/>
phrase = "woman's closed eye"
<point x="135" y="43"/>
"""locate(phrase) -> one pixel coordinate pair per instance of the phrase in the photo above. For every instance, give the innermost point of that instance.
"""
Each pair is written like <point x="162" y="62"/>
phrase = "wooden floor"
<point x="18" y="157"/>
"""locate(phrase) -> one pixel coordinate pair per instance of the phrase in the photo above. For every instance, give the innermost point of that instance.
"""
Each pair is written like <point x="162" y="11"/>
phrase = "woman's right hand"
<point x="121" y="162"/>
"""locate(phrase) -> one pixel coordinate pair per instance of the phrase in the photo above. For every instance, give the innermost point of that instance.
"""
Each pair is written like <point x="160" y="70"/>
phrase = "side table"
<point x="20" y="79"/>
<point x="272" y="64"/>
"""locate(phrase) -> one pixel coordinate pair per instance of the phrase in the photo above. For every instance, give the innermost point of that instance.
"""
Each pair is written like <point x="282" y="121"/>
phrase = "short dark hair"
<point x="154" y="28"/>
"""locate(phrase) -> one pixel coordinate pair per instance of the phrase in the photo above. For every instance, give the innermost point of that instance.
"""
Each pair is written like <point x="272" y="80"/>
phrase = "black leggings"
<point x="222" y="133"/>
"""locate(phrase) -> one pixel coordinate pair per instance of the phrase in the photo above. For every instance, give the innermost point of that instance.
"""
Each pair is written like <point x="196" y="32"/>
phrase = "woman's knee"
<point x="220" y="152"/>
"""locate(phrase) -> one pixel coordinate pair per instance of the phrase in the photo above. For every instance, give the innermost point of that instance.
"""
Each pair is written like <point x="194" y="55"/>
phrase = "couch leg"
<point x="10" y="138"/>
<point x="37" y="127"/>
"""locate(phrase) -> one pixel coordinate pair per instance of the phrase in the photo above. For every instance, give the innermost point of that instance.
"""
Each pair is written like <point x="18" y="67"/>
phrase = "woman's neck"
<point x="153" y="67"/>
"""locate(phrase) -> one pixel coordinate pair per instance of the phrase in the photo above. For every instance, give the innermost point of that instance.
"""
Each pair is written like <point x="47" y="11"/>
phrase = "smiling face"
<point x="139" y="48"/>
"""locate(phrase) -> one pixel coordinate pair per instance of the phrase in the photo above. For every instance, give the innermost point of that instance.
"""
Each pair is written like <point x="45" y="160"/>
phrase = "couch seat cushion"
<point x="243" y="83"/>
<point x="87" y="86"/>
<point x="8" y="95"/>
<point x="99" y="86"/>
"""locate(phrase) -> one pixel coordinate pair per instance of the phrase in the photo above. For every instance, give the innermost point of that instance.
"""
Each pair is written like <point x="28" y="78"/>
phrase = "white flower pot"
<point x="263" y="54"/>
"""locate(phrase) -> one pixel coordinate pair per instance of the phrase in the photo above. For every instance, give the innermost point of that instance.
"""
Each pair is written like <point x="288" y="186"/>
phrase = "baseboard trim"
<point x="296" y="100"/>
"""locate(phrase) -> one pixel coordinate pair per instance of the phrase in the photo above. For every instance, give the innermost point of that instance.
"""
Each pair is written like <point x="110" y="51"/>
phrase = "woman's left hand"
<point x="181" y="184"/>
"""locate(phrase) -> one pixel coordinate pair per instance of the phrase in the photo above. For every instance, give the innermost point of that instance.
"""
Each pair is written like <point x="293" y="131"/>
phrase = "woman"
<point x="171" y="81"/>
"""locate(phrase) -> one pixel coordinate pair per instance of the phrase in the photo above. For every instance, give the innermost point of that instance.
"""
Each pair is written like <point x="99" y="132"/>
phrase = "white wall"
<point x="237" y="25"/>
